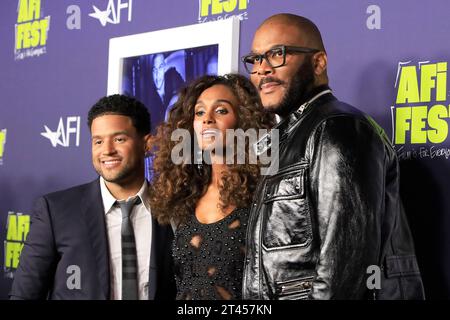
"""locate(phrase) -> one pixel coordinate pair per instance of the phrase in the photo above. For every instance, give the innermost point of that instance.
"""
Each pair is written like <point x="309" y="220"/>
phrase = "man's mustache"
<point x="269" y="79"/>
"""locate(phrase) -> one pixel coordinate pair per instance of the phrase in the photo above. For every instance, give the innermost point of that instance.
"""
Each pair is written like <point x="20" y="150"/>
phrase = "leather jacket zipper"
<point x="293" y="287"/>
<point x="250" y="235"/>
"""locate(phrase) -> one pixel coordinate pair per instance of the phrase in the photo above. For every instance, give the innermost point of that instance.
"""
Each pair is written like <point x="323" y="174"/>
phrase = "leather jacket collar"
<point x="289" y="123"/>
<point x="286" y="124"/>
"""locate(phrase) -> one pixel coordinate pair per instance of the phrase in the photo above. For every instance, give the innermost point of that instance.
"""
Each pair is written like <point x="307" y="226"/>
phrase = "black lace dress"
<point x="209" y="258"/>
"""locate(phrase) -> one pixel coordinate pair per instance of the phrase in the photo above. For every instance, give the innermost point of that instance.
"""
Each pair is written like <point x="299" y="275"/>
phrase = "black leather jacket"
<point x="332" y="210"/>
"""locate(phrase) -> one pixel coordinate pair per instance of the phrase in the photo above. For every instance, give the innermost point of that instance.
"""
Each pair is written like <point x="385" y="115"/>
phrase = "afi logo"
<point x="112" y="12"/>
<point x="2" y="143"/>
<point x="62" y="135"/>
<point x="17" y="228"/>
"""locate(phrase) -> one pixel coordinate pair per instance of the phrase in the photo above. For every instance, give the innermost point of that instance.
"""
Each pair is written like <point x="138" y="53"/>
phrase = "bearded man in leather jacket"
<point x="329" y="223"/>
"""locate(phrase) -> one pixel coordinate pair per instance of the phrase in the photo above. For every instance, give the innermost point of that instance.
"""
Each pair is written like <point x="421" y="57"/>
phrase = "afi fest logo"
<point x="212" y="10"/>
<point x="421" y="111"/>
<point x="2" y="144"/>
<point x="112" y="13"/>
<point x="62" y="134"/>
<point x="17" y="227"/>
<point x="31" y="30"/>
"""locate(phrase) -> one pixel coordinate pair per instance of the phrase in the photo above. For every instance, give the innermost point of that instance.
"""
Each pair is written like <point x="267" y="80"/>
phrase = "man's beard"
<point x="298" y="90"/>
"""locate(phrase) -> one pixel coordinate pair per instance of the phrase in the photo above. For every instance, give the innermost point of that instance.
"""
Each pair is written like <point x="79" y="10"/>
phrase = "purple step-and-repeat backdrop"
<point x="388" y="58"/>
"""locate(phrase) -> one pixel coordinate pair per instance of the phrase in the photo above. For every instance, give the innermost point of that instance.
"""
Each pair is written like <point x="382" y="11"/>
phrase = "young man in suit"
<point x="99" y="240"/>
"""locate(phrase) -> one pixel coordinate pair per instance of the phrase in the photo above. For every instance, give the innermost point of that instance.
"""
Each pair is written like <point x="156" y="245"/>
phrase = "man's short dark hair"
<point x="119" y="104"/>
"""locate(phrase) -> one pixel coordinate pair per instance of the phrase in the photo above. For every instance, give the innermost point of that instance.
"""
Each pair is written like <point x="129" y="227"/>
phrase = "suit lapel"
<point x="94" y="216"/>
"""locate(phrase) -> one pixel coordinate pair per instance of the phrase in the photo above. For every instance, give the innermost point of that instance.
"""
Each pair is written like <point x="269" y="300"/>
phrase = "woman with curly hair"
<point x="208" y="202"/>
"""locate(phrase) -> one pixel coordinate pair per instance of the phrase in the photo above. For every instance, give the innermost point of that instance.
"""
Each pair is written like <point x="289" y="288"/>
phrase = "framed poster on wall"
<point x="154" y="66"/>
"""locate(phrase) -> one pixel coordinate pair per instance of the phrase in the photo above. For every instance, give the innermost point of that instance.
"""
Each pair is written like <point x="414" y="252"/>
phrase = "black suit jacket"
<point x="67" y="233"/>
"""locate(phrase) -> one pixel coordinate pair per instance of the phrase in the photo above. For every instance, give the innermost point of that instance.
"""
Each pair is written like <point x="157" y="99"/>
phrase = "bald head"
<point x="309" y="32"/>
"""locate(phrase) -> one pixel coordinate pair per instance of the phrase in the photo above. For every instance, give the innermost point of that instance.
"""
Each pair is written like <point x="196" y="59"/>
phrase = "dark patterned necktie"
<point x="129" y="257"/>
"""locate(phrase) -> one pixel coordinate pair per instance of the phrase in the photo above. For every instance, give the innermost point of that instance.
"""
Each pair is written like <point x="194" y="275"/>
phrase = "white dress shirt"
<point x="141" y="221"/>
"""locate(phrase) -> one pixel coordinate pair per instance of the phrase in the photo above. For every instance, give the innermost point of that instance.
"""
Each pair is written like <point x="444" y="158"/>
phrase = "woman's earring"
<point x="199" y="160"/>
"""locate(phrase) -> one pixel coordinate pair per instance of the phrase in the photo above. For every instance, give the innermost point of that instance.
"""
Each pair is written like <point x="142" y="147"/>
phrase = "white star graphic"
<point x="102" y="16"/>
<point x="52" y="136"/>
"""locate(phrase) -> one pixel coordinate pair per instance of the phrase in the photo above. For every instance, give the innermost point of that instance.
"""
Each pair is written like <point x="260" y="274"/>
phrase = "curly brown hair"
<point x="176" y="188"/>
